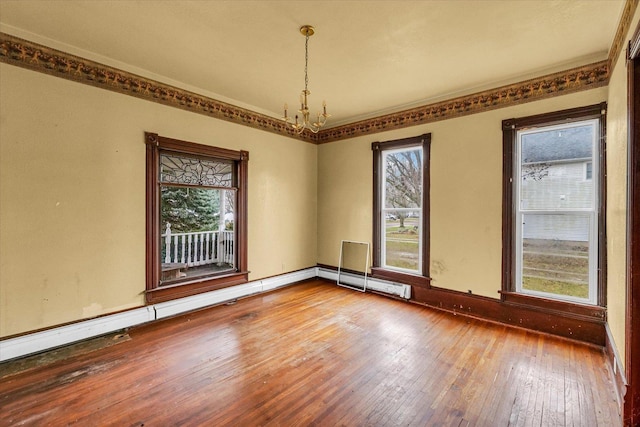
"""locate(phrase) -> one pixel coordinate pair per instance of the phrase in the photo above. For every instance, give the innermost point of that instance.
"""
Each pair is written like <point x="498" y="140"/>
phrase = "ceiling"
<point x="367" y="58"/>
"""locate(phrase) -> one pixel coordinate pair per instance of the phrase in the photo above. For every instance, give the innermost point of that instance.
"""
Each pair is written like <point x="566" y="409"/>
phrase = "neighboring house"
<point x="556" y="175"/>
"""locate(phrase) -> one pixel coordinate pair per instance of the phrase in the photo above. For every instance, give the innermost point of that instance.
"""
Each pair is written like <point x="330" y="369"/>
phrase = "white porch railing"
<point x="198" y="248"/>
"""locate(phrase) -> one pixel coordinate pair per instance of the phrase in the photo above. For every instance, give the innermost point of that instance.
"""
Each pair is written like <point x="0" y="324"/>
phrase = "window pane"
<point x="588" y="170"/>
<point x="194" y="171"/>
<point x="402" y="239"/>
<point x="555" y="254"/>
<point x="553" y="168"/>
<point x="197" y="229"/>
<point x="403" y="179"/>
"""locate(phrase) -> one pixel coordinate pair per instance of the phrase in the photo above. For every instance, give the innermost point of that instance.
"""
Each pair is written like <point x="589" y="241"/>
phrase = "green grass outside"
<point x="406" y="233"/>
<point x="555" y="287"/>
<point x="557" y="262"/>
<point x="555" y="266"/>
<point x="402" y="254"/>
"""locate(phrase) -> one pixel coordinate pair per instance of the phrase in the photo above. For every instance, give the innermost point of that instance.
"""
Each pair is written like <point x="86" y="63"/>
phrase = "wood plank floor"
<point x="318" y="354"/>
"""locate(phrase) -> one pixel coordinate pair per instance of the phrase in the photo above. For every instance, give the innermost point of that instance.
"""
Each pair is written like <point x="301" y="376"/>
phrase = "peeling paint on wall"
<point x="92" y="310"/>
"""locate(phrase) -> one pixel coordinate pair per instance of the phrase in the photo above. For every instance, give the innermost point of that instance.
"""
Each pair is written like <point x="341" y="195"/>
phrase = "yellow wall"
<point x="72" y="197"/>
<point x="617" y="197"/>
<point x="466" y="192"/>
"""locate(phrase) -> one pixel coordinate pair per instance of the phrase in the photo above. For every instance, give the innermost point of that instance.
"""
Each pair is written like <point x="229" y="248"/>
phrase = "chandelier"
<point x="303" y="121"/>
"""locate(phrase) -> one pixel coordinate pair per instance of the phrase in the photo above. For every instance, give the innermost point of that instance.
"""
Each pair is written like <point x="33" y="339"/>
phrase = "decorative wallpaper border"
<point x="569" y="81"/>
<point x="36" y="57"/>
<point x="623" y="28"/>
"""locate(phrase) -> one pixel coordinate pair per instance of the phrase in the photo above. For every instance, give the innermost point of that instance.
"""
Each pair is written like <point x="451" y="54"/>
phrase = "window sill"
<point x="400" y="277"/>
<point x="180" y="290"/>
<point x="551" y="305"/>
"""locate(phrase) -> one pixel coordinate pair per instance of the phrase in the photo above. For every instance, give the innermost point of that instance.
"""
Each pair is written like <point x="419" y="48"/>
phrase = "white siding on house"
<point x="566" y="227"/>
<point x="561" y="186"/>
<point x="558" y="186"/>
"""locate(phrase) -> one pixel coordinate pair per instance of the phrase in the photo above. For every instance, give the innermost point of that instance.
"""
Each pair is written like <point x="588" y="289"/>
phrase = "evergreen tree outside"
<point x="189" y="209"/>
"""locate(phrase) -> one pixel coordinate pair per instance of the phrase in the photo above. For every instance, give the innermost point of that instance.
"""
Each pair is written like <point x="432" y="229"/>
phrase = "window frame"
<point x="510" y="130"/>
<point x="422" y="279"/>
<point x="155" y="145"/>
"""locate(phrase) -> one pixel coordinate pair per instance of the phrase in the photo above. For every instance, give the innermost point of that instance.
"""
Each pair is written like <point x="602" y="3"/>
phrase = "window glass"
<point x="555" y="254"/>
<point x="402" y="240"/>
<point x="402" y="191"/>
<point x="552" y="168"/>
<point x="178" y="169"/>
<point x="197" y="231"/>
<point x="556" y="214"/>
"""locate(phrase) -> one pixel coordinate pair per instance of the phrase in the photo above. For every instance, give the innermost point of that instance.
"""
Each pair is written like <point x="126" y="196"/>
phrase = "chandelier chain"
<point x="306" y="62"/>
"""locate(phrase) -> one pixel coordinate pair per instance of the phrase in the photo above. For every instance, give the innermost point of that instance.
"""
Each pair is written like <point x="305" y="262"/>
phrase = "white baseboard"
<point x="63" y="335"/>
<point x="398" y="289"/>
<point x="275" y="282"/>
<point x="36" y="342"/>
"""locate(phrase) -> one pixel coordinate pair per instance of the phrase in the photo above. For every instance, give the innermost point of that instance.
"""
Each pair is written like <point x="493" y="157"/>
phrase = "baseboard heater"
<point x="36" y="342"/>
<point x="398" y="289"/>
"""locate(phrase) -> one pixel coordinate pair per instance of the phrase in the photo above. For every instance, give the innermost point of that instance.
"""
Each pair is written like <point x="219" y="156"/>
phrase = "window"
<point x="401" y="210"/>
<point x="588" y="170"/>
<point x="196" y="218"/>
<point x="553" y="216"/>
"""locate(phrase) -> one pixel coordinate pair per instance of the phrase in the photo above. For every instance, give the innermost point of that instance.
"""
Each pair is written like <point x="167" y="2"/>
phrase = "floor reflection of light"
<point x="392" y="328"/>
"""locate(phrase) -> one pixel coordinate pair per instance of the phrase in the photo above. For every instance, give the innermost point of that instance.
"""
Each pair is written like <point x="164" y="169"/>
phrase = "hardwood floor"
<point x="318" y="354"/>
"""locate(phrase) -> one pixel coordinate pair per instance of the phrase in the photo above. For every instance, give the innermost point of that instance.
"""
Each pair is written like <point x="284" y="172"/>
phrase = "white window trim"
<point x="384" y="211"/>
<point x="591" y="212"/>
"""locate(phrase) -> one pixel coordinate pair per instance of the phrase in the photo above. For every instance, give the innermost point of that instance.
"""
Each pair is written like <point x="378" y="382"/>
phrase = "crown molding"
<point x="40" y="58"/>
